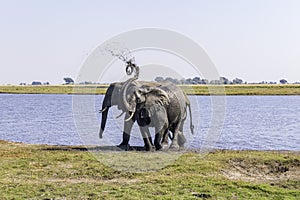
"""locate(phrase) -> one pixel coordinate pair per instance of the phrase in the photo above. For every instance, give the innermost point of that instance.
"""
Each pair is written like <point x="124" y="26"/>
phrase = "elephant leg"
<point x="174" y="144"/>
<point x="157" y="141"/>
<point x="147" y="138"/>
<point x="126" y="133"/>
<point x="158" y="136"/>
<point x="181" y="138"/>
<point x="165" y="141"/>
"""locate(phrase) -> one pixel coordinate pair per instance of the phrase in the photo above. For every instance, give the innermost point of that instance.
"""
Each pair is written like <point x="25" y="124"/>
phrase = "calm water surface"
<point x="251" y="122"/>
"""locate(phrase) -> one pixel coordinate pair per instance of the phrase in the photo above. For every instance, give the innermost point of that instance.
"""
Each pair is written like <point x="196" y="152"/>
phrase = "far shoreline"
<point x="205" y="90"/>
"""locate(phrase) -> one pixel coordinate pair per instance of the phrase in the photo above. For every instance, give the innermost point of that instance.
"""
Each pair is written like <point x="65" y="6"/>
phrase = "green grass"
<point x="54" y="89"/>
<point x="292" y="89"/>
<point x="260" y="89"/>
<point x="54" y="172"/>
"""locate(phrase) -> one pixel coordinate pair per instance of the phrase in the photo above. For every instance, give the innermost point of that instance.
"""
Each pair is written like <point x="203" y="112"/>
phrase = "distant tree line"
<point x="220" y="81"/>
<point x="189" y="81"/>
<point x="198" y="80"/>
<point x="36" y="83"/>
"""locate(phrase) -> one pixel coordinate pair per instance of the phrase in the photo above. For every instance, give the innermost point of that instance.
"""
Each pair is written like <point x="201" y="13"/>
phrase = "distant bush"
<point x="36" y="83"/>
<point x="283" y="81"/>
<point x="68" y="80"/>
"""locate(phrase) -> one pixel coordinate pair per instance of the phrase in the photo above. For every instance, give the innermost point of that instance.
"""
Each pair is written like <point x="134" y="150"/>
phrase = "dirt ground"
<point x="253" y="170"/>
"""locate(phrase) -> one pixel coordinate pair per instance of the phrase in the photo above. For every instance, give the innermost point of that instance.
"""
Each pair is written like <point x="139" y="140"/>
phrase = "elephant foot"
<point x="158" y="147"/>
<point x="181" y="140"/>
<point x="125" y="147"/>
<point x="165" y="146"/>
<point x="149" y="148"/>
<point x="174" y="146"/>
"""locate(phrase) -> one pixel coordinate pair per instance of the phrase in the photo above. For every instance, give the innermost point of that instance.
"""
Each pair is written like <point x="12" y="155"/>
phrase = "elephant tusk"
<point x="103" y="110"/>
<point x="120" y="115"/>
<point x="126" y="120"/>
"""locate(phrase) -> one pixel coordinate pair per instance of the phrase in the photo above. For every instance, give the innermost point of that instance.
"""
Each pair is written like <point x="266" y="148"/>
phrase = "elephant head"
<point x="127" y="94"/>
<point x="115" y="96"/>
<point x="142" y="97"/>
<point x="111" y="98"/>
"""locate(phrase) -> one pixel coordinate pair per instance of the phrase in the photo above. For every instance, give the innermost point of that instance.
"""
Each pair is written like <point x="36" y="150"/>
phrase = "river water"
<point x="250" y="122"/>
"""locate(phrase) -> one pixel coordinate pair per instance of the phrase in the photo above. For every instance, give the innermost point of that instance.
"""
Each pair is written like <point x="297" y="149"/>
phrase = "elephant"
<point x="159" y="105"/>
<point x="113" y="97"/>
<point x="135" y="98"/>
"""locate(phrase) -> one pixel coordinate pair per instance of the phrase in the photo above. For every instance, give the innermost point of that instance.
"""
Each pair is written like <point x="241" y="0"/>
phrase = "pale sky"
<point x="48" y="40"/>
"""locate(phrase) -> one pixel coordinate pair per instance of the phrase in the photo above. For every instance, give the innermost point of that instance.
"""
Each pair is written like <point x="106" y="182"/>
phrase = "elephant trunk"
<point x="124" y="93"/>
<point x="106" y="104"/>
<point x="103" y="121"/>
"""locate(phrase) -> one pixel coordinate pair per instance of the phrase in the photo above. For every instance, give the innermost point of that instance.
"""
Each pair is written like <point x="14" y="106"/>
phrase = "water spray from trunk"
<point x="124" y="55"/>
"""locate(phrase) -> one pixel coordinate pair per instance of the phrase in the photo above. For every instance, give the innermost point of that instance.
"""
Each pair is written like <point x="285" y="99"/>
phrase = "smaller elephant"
<point x="152" y="113"/>
<point x="162" y="106"/>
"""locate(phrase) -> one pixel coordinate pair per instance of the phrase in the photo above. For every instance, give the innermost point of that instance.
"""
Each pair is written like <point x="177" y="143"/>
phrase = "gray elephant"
<point x="137" y="98"/>
<point x="114" y="97"/>
<point x="159" y="105"/>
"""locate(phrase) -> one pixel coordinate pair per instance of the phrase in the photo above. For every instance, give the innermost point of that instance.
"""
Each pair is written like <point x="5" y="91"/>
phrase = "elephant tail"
<point x="191" y="118"/>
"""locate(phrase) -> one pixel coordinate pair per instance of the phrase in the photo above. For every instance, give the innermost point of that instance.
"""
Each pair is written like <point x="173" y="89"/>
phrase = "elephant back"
<point x="177" y="105"/>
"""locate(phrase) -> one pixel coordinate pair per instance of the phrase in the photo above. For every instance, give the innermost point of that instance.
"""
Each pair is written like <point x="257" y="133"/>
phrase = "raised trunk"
<point x="124" y="92"/>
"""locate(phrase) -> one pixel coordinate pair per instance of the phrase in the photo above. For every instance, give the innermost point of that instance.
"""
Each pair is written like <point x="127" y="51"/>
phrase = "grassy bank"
<point x="291" y="89"/>
<point x="260" y="89"/>
<point x="52" y="172"/>
<point x="54" y="89"/>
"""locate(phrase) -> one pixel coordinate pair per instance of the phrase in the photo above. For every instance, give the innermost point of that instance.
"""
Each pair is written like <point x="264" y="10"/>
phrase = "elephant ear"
<point x="159" y="96"/>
